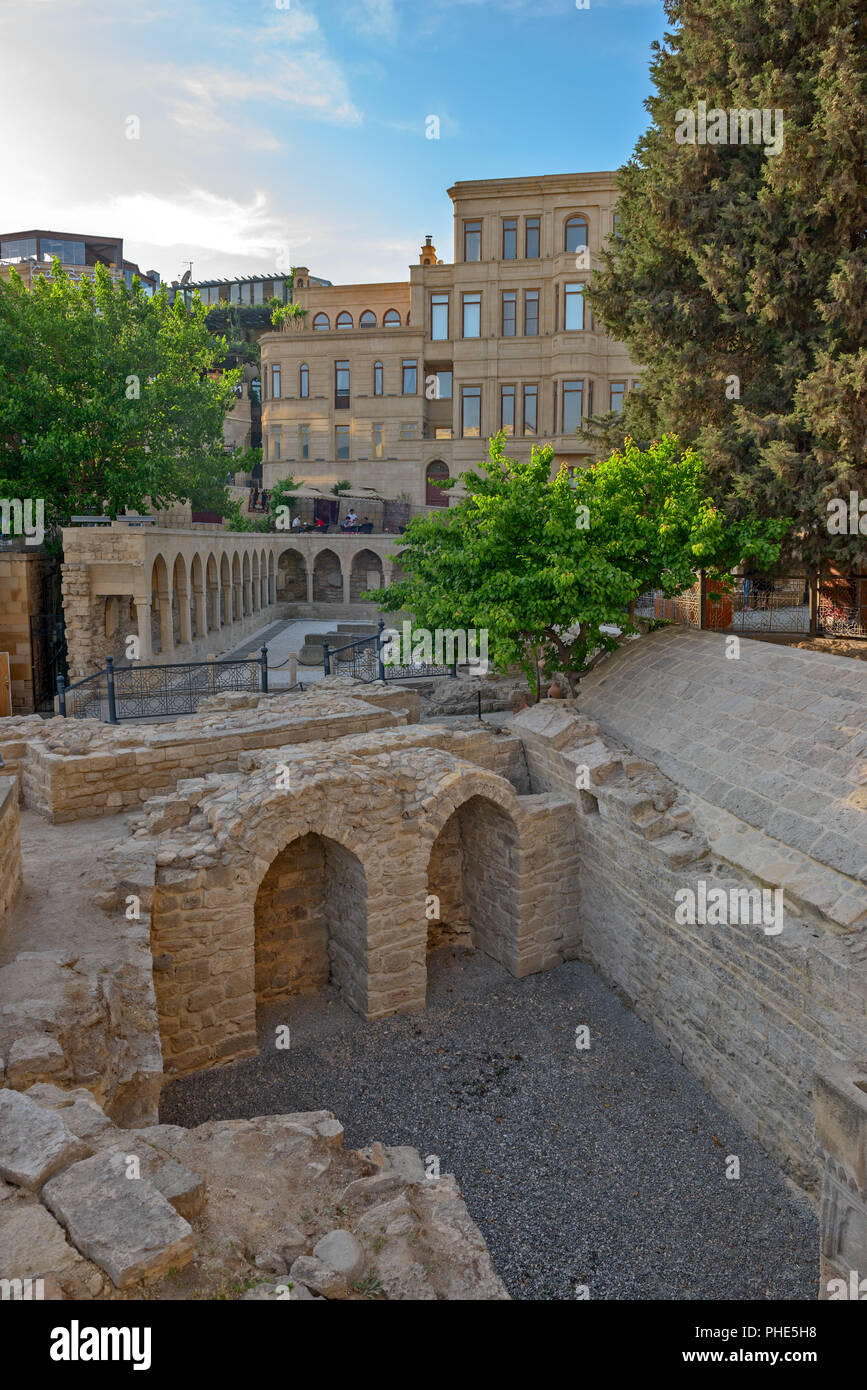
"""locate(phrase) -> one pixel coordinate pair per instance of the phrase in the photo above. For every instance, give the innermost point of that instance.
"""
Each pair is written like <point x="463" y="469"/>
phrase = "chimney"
<point x="428" y="252"/>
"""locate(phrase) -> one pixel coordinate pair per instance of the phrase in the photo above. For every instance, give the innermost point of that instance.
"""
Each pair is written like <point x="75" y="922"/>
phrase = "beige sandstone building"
<point x="392" y="386"/>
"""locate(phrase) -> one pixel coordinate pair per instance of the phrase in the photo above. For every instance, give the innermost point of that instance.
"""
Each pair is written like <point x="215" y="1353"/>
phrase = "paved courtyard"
<point x="603" y="1167"/>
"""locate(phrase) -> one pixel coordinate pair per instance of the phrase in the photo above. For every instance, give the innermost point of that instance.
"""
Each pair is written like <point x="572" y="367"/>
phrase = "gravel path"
<point x="603" y="1167"/>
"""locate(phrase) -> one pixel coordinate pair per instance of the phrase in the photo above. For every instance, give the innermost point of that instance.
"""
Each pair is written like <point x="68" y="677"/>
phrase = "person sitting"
<point x="296" y="523"/>
<point x="350" y="522"/>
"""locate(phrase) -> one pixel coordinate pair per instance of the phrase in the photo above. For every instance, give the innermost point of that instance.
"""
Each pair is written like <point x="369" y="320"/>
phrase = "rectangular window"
<point x="589" y="398"/>
<point x="531" y="313"/>
<point x="443" y="386"/>
<point x="439" y="317"/>
<point x="341" y="385"/>
<point x="510" y="313"/>
<point x="472" y="306"/>
<point x="378" y="441"/>
<point x="510" y="238"/>
<point x="471" y="412"/>
<point x="573" y="401"/>
<point x="275" y="382"/>
<point x="531" y="238"/>
<point x="342" y="432"/>
<point x="507" y="409"/>
<point x="443" y="432"/>
<point x="408" y="430"/>
<point x="410" y="377"/>
<point x="618" y="391"/>
<point x="531" y="412"/>
<point x="304" y="383"/>
<point x="304" y="441"/>
<point x="573" y="319"/>
<point x="377" y="378"/>
<point x="472" y="241"/>
<point x="275" y="444"/>
<point x="616" y="223"/>
<point x="258" y="292"/>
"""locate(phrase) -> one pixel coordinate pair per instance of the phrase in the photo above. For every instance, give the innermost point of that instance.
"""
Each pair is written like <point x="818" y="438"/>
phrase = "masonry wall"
<point x="21" y="574"/>
<point x="751" y="1015"/>
<point x="290" y="924"/>
<point x="10" y="845"/>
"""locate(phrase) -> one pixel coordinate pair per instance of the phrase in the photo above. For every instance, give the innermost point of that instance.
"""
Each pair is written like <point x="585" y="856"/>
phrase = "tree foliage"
<point x="735" y="266"/>
<point x="549" y="566"/>
<point x="105" y="398"/>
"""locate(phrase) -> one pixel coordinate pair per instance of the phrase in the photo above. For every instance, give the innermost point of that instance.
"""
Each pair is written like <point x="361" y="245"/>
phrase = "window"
<point x="342" y="432"/>
<point x="510" y="313"/>
<point x="573" y="398"/>
<point x="9" y="250"/>
<point x="531" y="414"/>
<point x="341" y="385"/>
<point x="392" y="319"/>
<point x="573" y="317"/>
<point x="472" y="241"/>
<point x="68" y="252"/>
<point x="472" y="305"/>
<point x="439" y="316"/>
<point x="576" y="233"/>
<point x="409" y="377"/>
<point x="636" y="384"/>
<point x="531" y="238"/>
<point x="618" y="391"/>
<point x="378" y="441"/>
<point x="368" y="319"/>
<point x="303" y="381"/>
<point x="507" y="409"/>
<point x="320" y="322"/>
<point x="304" y="441"/>
<point x="471" y="412"/>
<point x="344" y="320"/>
<point x="589" y="398"/>
<point x="510" y="238"/>
<point x="258" y="292"/>
<point x="407" y="430"/>
<point x="277" y="290"/>
<point x="531" y="313"/>
<point x="616" y="223"/>
<point x="275" y="382"/>
<point x="275" y="444"/>
<point x="443" y="390"/>
<point x="377" y="378"/>
<point x="435" y="473"/>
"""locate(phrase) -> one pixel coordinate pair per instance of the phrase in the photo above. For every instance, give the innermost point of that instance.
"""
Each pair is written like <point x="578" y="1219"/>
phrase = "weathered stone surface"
<point x="342" y="1253"/>
<point x="319" y="1277"/>
<point x="77" y="1108"/>
<point x="34" y="1143"/>
<point x="123" y="1224"/>
<point x="34" y="1246"/>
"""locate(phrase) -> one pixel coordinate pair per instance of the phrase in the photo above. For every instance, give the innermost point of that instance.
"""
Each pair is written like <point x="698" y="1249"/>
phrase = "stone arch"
<point x="366" y="573"/>
<point x="225" y="590"/>
<point x="161" y="607"/>
<point x="198" y="614"/>
<point x="327" y="578"/>
<point x="180" y="602"/>
<point x="264" y="599"/>
<point x="246" y="586"/>
<point x="236" y="609"/>
<point x="291" y="576"/>
<point x="436" y="472"/>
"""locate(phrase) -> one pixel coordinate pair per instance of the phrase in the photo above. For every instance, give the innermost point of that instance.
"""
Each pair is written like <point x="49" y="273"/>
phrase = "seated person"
<point x="350" y="521"/>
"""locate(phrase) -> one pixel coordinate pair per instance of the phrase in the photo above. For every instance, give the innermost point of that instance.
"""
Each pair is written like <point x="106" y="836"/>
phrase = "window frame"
<point x="367" y="313"/>
<point x="317" y="326"/>
<point x="303" y="382"/>
<point x="276" y="381"/>
<point x="439" y="301"/>
<point x="344" y="314"/>
<point x="511" y="297"/>
<point x="507" y="392"/>
<point x="388" y="321"/>
<point x="337" y="446"/>
<point x="575" y="289"/>
<point x="532" y="297"/>
<point x="378" y="378"/>
<point x="573" y="387"/>
<point x="532" y="224"/>
<point x="473" y="393"/>
<point x="530" y="391"/>
<point x="474" y="299"/>
<point x="409" y="364"/>
<point x="474" y="223"/>
<point x="576" y="219"/>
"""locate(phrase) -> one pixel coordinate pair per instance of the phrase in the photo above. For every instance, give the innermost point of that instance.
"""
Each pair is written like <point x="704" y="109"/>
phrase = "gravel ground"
<point x="603" y="1167"/>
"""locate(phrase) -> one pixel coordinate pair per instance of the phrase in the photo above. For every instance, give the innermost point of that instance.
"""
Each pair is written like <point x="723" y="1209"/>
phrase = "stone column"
<point x="247" y="587"/>
<point x="201" y="612"/>
<point x="184" y="631"/>
<point x="309" y="576"/>
<point x="167" y="636"/>
<point x="143" y="614"/>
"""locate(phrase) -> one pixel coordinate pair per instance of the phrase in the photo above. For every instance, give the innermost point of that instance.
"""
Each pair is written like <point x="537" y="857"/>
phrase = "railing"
<point x="365" y="661"/>
<point x="756" y="604"/>
<point x="152" y="692"/>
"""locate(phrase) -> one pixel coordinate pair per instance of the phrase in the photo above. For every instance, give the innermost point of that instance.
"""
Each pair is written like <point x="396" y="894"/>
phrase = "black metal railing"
<point x="363" y="659"/>
<point x="151" y="692"/>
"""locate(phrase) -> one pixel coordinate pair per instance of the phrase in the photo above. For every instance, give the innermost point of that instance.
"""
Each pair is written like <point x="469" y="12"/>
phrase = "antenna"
<point x="187" y="275"/>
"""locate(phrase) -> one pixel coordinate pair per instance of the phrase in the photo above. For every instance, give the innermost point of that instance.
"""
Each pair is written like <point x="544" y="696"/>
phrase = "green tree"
<point x="738" y="277"/>
<point x="106" y="401"/>
<point x="281" y="496"/>
<point x="549" y="566"/>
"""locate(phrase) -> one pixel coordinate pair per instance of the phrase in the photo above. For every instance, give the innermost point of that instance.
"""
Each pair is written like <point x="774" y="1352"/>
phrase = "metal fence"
<point x="153" y="692"/>
<point x="363" y="660"/>
<point x="757" y="604"/>
<point x="843" y="605"/>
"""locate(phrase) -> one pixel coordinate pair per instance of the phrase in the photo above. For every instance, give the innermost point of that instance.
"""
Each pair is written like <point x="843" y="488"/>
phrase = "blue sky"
<point x="272" y="134"/>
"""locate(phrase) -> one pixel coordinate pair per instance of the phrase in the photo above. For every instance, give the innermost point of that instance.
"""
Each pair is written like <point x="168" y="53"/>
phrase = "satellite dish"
<point x="185" y="278"/>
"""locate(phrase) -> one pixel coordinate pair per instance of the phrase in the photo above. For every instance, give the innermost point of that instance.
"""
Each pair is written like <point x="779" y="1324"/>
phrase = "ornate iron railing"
<point x="152" y="692"/>
<point x="363" y="660"/>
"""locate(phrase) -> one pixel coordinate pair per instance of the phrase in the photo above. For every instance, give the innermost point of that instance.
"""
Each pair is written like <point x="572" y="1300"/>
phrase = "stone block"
<point x="34" y="1143"/>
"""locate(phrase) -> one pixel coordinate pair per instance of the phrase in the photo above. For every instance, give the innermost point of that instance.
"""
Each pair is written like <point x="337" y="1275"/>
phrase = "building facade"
<point x="32" y="253"/>
<point x="398" y="386"/>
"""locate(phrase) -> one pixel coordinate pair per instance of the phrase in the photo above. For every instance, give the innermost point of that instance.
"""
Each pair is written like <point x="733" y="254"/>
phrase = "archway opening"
<point x="436" y="472"/>
<point x="366" y="573"/>
<point x="291" y="577"/>
<point x="473" y="881"/>
<point x="327" y="578"/>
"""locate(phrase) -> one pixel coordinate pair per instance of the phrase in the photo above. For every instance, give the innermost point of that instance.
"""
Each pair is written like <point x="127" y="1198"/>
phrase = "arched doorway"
<point x="366" y="573"/>
<point x="310" y="922"/>
<point x="436" y="472"/>
<point x="473" y="875"/>
<point x="327" y="578"/>
<point x="291" y="577"/>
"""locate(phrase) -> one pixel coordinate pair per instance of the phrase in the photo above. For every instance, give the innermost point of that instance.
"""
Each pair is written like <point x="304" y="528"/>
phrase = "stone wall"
<point x="21" y="575"/>
<point x="840" y="1102"/>
<point x="750" y="1013"/>
<point x="10" y="845"/>
<point x="291" y="930"/>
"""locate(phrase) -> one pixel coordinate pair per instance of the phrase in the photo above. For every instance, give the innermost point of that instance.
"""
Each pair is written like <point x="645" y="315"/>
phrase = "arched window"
<point x="392" y="319"/>
<point x="436" y="472"/>
<point x="303" y="381"/>
<point x="344" y="320"/>
<point x="368" y="319"/>
<point x="576" y="233"/>
<point x="377" y="378"/>
<point x="321" y="321"/>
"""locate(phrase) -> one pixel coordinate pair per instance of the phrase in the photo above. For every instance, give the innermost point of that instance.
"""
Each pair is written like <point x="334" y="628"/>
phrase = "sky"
<point x="251" y="135"/>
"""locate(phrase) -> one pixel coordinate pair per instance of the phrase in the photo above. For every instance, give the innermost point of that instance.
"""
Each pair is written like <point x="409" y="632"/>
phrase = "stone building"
<point x="396" y="386"/>
<point x="31" y="254"/>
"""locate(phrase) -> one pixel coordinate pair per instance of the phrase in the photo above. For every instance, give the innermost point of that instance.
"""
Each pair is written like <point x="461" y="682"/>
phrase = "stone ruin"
<point x="282" y="842"/>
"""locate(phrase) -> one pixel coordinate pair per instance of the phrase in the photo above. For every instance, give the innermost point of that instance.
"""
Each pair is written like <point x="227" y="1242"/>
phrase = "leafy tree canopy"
<point x="547" y="565"/>
<point x="738" y="277"/>
<point x="105" y="398"/>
